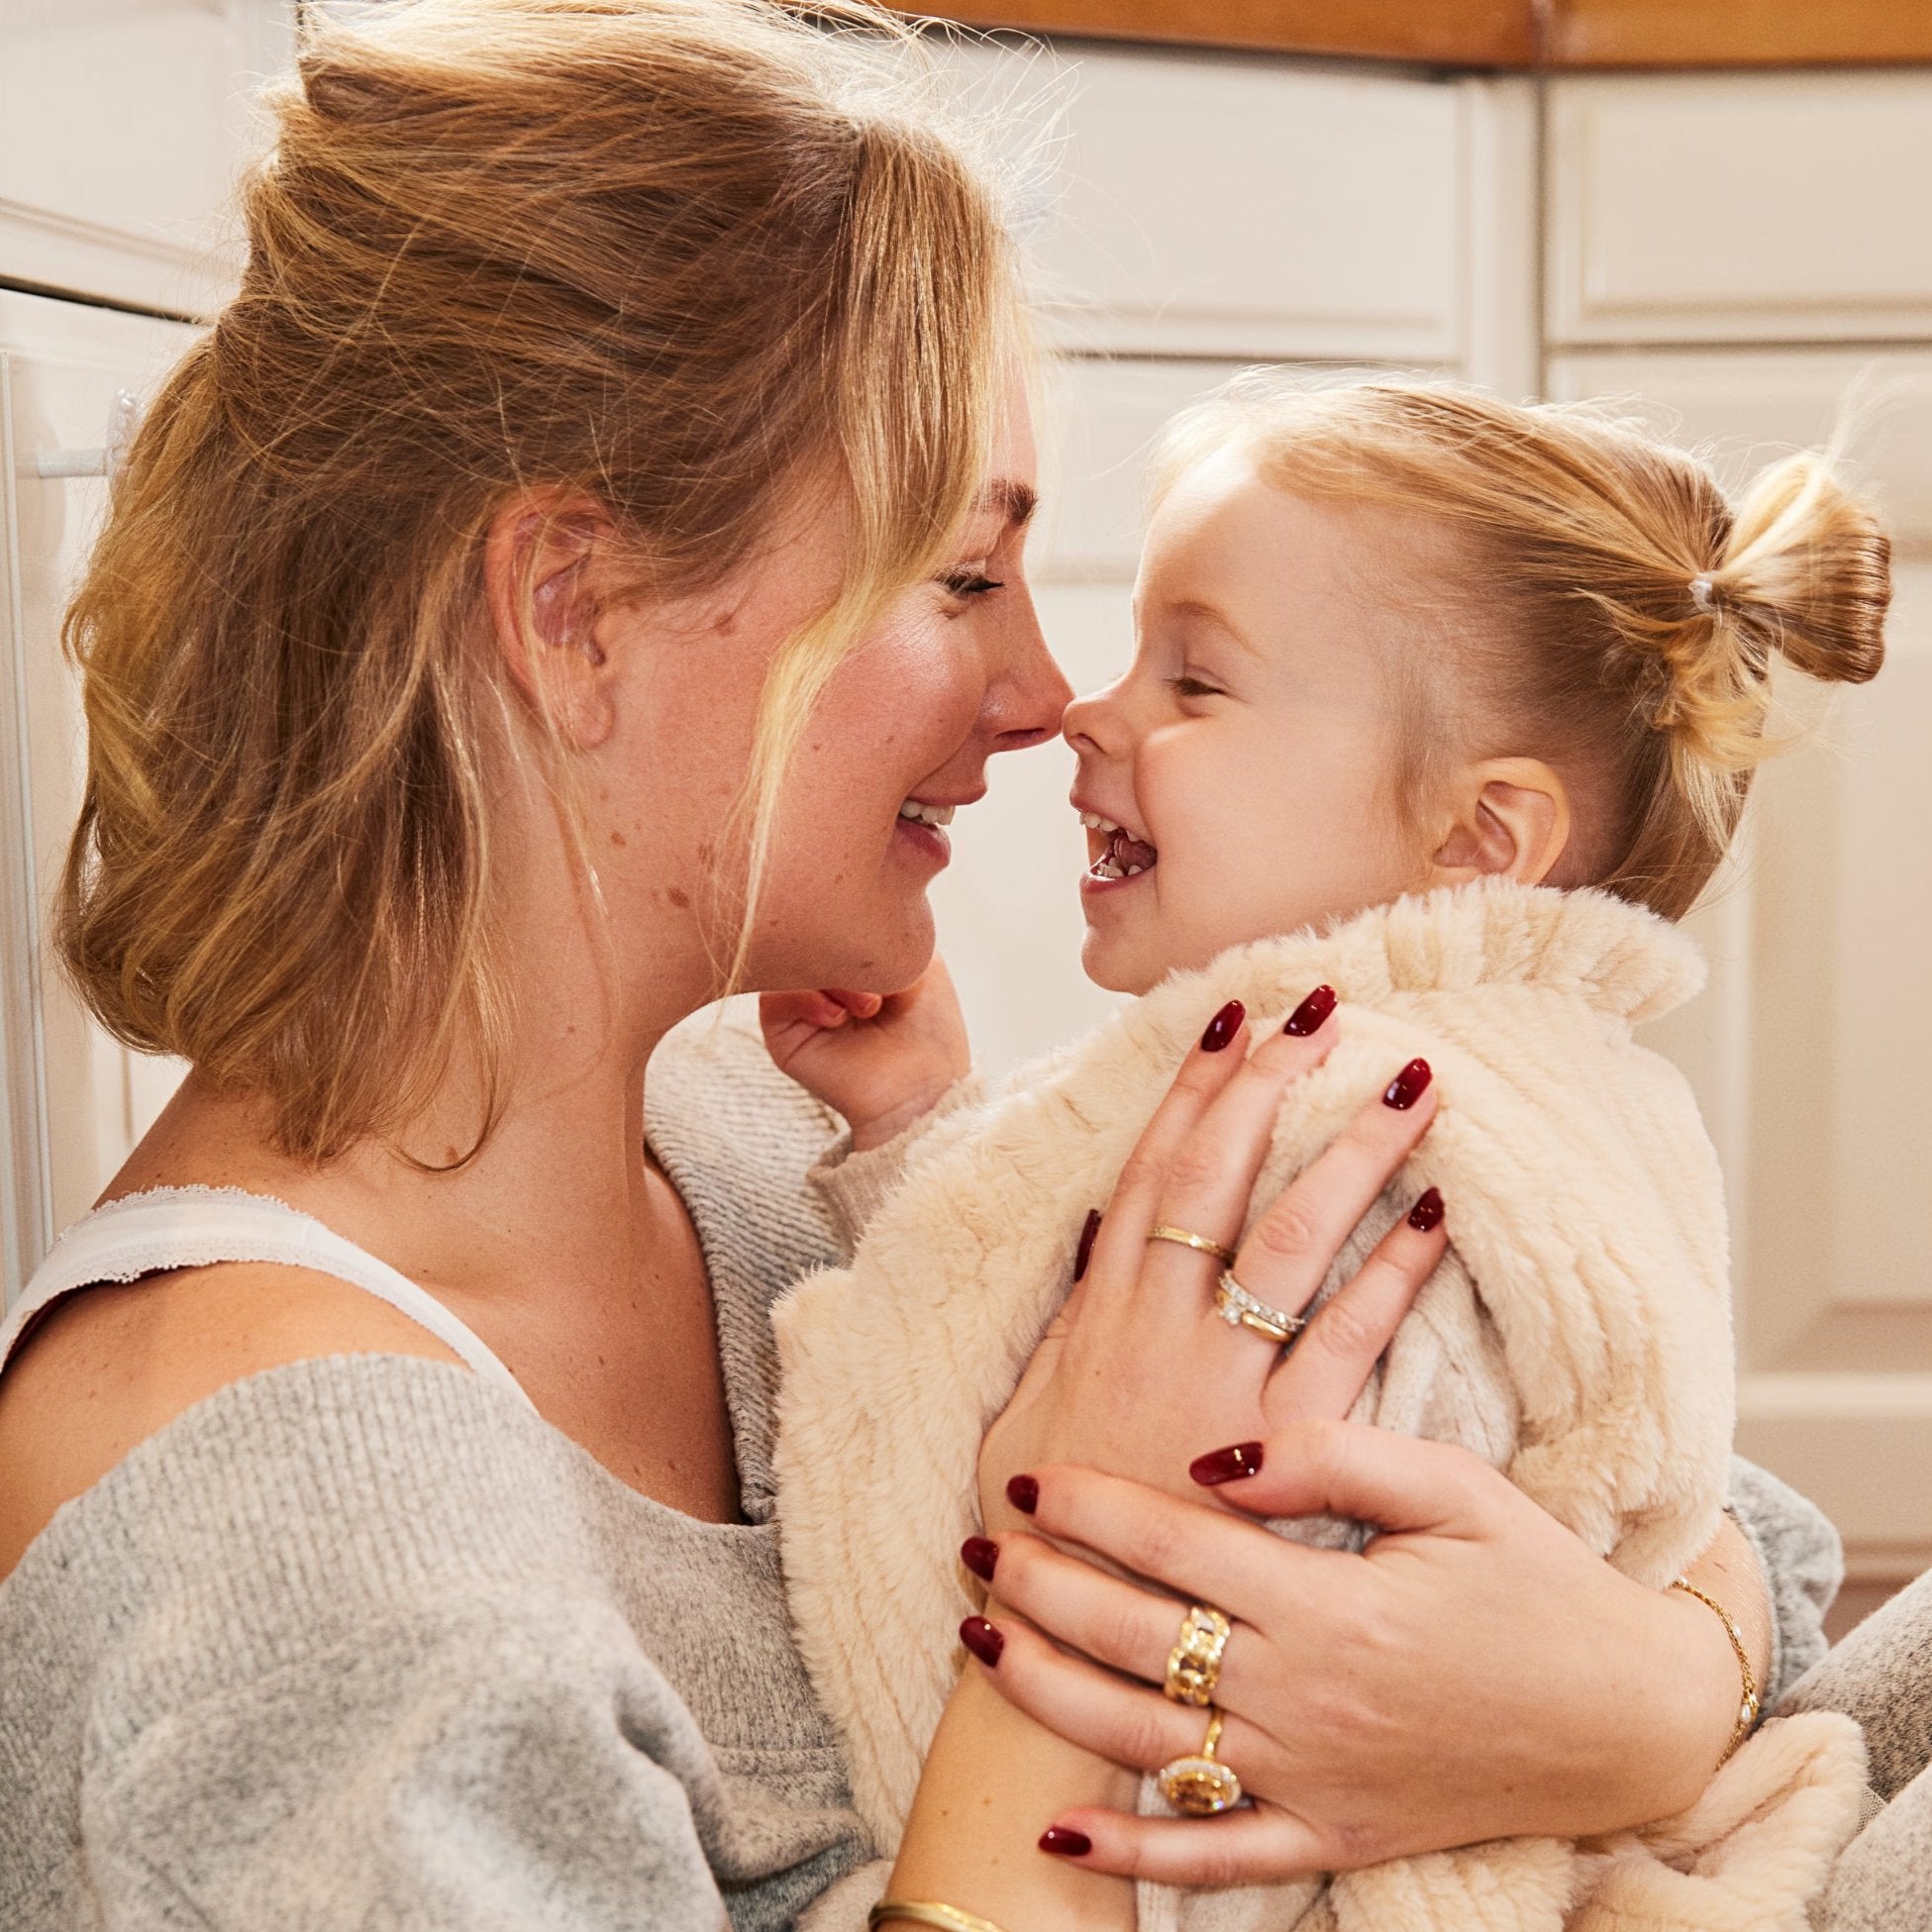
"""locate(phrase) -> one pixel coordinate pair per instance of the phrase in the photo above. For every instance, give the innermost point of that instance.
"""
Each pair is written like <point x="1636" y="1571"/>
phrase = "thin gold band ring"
<point x="1184" y="1239"/>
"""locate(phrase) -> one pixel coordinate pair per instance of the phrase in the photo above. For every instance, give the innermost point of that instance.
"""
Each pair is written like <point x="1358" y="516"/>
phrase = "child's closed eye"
<point x="1184" y="686"/>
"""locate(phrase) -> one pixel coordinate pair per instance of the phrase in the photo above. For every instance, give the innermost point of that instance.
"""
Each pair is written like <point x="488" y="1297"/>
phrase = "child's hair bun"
<point x="1805" y="574"/>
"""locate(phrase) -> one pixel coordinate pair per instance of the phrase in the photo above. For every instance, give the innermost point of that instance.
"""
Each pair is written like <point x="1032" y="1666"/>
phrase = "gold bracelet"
<point x="1747" y="1706"/>
<point x="910" y="1911"/>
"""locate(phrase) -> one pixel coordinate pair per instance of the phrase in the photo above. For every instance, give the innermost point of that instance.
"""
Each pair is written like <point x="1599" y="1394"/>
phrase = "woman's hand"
<point x="1140" y="1373"/>
<point x="882" y="1061"/>
<point x="1477" y="1673"/>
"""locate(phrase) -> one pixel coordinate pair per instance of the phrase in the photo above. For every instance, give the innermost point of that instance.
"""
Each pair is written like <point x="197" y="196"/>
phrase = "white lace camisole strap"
<point x="195" y="1227"/>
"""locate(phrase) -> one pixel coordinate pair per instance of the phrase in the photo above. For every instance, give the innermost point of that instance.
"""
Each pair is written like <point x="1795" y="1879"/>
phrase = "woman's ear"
<point x="540" y="556"/>
<point x="1512" y="821"/>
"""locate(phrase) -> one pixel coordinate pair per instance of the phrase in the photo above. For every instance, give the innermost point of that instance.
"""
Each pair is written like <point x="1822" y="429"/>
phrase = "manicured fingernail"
<point x="1223" y="1027"/>
<point x="1309" y="1015"/>
<point x="1427" y="1212"/>
<point x="982" y="1639"/>
<point x="980" y="1554"/>
<point x="1023" y="1493"/>
<point x="1409" y="1086"/>
<point x="1084" y="1251"/>
<point x="1227" y="1464"/>
<point x="1066" y="1844"/>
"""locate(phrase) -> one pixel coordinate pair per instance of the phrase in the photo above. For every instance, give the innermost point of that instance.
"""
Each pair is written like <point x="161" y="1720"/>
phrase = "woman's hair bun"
<point x="1806" y="571"/>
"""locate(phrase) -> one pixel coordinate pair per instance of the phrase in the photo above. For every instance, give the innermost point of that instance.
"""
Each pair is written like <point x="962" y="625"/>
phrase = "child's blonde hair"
<point x="686" y="258"/>
<point x="1618" y="616"/>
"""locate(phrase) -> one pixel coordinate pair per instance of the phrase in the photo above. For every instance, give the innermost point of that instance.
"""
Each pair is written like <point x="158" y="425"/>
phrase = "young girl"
<point x="1464" y="700"/>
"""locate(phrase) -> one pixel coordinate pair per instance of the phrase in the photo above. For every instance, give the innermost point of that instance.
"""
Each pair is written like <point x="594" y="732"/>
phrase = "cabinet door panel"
<point x="1746" y="207"/>
<point x="1215" y="205"/>
<point x="74" y="1098"/>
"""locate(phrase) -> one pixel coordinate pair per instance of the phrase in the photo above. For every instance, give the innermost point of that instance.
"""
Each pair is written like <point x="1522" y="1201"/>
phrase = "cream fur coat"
<point x="1576" y="1335"/>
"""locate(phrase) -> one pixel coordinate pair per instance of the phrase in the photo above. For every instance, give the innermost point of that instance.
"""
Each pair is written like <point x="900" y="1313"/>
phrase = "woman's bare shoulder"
<point x="107" y="1368"/>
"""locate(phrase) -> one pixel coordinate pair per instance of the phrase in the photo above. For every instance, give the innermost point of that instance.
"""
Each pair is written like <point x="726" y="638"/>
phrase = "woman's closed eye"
<point x="969" y="582"/>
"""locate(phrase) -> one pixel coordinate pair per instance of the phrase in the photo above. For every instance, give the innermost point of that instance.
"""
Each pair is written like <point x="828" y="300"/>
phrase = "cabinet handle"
<point x="123" y="420"/>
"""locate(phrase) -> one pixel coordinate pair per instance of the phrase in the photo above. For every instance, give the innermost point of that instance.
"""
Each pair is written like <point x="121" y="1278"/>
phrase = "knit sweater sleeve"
<point x="1803" y="1563"/>
<point x="347" y="1644"/>
<point x="1881" y="1675"/>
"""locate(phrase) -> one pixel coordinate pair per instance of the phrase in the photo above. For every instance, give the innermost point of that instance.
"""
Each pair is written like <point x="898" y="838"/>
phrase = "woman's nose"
<point x="1029" y="691"/>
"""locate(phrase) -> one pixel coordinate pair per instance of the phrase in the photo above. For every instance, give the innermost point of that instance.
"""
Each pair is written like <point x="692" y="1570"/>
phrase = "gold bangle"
<point x="911" y="1911"/>
<point x="1748" y="1704"/>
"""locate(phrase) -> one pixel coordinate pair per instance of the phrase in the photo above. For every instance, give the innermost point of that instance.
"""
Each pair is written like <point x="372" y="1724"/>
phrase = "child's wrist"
<point x="875" y="1130"/>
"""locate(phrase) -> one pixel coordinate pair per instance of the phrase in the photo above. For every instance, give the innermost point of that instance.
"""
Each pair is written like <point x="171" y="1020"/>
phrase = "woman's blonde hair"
<point x="686" y="258"/>
<point x="1613" y="613"/>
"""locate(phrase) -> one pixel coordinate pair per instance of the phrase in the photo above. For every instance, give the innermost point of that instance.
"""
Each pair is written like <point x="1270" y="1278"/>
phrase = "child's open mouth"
<point x="1120" y="854"/>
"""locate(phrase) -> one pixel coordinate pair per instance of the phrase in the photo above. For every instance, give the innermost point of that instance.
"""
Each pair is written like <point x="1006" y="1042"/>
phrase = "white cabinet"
<point x="122" y="126"/>
<point x="1740" y="207"/>
<point x="74" y="1099"/>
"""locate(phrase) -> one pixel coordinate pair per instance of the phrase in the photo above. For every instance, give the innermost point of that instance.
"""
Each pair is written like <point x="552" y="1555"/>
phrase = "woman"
<point x="570" y="580"/>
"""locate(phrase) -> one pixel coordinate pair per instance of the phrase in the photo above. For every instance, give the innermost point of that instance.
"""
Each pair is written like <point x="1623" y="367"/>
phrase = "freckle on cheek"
<point x="619" y="840"/>
<point x="679" y="898"/>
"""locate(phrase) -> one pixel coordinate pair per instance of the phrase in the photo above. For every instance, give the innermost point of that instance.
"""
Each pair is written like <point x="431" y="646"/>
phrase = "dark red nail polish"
<point x="1427" y="1212"/>
<point x="1227" y="1464"/>
<point x="980" y="1554"/>
<point x="1309" y="1015"/>
<point x="1067" y="1842"/>
<point x="1023" y="1493"/>
<point x="1084" y="1251"/>
<point x="1223" y="1027"/>
<point x="1410" y="1085"/>
<point x="982" y="1639"/>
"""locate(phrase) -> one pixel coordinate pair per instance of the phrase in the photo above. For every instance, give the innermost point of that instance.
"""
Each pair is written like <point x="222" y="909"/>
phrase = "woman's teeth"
<point x="923" y="814"/>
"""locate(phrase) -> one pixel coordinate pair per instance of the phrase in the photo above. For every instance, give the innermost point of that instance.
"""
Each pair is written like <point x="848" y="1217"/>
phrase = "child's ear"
<point x="538" y="556"/>
<point x="1512" y="821"/>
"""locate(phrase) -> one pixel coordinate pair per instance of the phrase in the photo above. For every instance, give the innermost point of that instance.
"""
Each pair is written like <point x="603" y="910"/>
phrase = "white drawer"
<point x="1213" y="205"/>
<point x="1700" y="208"/>
<point x="1755" y="404"/>
<point x="122" y="124"/>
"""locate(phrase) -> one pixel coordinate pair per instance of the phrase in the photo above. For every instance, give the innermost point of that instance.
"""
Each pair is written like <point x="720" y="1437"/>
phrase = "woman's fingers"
<point x="1248" y="1847"/>
<point x="1290" y="1249"/>
<point x="1178" y="1543"/>
<point x="1212" y="1171"/>
<point x="1127" y="1724"/>
<point x="1400" y="1484"/>
<point x="1120" y="1249"/>
<point x="1329" y="1364"/>
<point x="1112" y="1621"/>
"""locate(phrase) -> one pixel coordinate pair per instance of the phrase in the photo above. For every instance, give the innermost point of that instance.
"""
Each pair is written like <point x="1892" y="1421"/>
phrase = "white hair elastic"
<point x="1701" y="594"/>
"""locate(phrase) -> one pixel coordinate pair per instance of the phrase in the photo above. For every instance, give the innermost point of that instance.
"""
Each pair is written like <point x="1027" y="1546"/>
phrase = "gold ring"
<point x="1202" y="1784"/>
<point x="1194" y="1662"/>
<point x="1237" y="1308"/>
<point x="1187" y="1240"/>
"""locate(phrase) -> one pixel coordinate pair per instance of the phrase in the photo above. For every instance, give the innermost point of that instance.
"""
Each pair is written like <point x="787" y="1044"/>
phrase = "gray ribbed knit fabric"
<point x="362" y="1642"/>
<point x="1881" y="1674"/>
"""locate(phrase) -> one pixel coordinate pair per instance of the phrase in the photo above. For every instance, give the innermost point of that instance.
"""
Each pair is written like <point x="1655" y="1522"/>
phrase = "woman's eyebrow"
<point x="1014" y="499"/>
